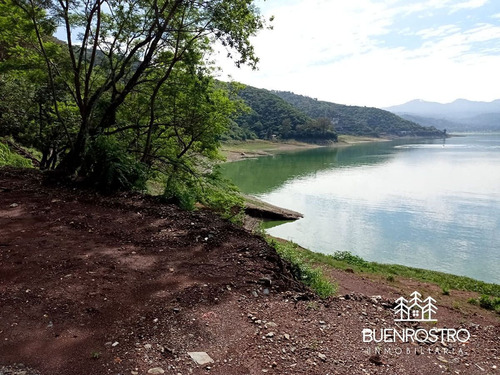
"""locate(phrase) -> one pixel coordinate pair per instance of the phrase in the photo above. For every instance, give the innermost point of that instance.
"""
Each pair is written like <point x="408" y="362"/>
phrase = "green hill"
<point x="272" y="117"/>
<point x="356" y="120"/>
<point x="285" y="115"/>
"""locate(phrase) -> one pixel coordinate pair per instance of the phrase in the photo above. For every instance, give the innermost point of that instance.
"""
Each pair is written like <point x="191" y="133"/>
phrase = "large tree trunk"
<point x="71" y="162"/>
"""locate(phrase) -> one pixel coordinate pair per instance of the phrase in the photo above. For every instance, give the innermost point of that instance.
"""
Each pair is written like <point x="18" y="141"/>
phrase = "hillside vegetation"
<point x="355" y="120"/>
<point x="285" y="115"/>
<point x="269" y="116"/>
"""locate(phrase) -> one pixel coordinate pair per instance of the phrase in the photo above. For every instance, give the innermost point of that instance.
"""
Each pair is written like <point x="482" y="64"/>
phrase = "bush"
<point x="211" y="190"/>
<point x="346" y="256"/>
<point x="312" y="277"/>
<point x="489" y="303"/>
<point x="109" y="167"/>
<point x="7" y="157"/>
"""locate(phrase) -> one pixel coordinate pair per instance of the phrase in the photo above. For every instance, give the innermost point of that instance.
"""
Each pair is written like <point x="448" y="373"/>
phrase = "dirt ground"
<point x="125" y="285"/>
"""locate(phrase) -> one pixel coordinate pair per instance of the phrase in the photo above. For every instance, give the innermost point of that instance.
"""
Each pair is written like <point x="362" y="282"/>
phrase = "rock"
<point x="376" y="360"/>
<point x="201" y="358"/>
<point x="270" y="324"/>
<point x="266" y="281"/>
<point x="156" y="370"/>
<point x="13" y="205"/>
<point x="322" y="357"/>
<point x="114" y="344"/>
<point x="266" y="291"/>
<point x="270" y="334"/>
<point x="287" y="336"/>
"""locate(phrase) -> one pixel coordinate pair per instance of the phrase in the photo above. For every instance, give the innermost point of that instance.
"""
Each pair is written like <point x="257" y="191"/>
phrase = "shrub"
<point x="211" y="189"/>
<point x="312" y="277"/>
<point x="346" y="256"/>
<point x="109" y="167"/>
<point x="7" y="157"/>
<point x="473" y="301"/>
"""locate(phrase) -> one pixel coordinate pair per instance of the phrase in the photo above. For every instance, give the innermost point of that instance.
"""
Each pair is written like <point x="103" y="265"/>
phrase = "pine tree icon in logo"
<point x="415" y="309"/>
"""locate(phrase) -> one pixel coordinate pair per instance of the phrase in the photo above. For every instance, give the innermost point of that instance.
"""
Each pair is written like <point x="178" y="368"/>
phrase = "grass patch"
<point x="313" y="277"/>
<point x="486" y="302"/>
<point x="344" y="260"/>
<point x="7" y="157"/>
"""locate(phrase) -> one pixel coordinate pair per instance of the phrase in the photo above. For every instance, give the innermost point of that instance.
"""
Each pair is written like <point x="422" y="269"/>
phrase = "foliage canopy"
<point x="129" y="94"/>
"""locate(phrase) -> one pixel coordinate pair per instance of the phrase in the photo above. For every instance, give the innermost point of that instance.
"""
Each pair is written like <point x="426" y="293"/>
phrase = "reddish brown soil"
<point x="124" y="284"/>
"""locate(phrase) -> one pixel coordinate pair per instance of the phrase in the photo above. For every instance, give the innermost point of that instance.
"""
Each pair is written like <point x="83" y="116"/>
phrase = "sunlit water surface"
<point x="427" y="204"/>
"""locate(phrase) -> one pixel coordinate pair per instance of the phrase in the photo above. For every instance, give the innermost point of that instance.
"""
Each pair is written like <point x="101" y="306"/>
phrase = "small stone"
<point x="322" y="322"/>
<point x="156" y="370"/>
<point x="270" y="324"/>
<point x="114" y="344"/>
<point x="322" y="357"/>
<point x="442" y="359"/>
<point x="148" y="346"/>
<point x="270" y="334"/>
<point x="201" y="358"/>
<point x="13" y="205"/>
<point x="266" y="291"/>
<point x="287" y="336"/>
<point x="266" y="281"/>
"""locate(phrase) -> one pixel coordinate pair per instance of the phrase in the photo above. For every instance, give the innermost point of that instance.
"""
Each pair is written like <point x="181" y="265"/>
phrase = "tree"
<point x="402" y="309"/>
<point x="429" y="309"/>
<point x="117" y="49"/>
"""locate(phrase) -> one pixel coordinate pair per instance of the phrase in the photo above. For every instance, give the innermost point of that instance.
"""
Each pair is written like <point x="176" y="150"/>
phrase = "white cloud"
<point x="471" y="4"/>
<point x="440" y="31"/>
<point x="360" y="52"/>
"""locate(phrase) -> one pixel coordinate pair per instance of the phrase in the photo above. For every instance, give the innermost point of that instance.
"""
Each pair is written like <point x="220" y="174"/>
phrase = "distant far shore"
<point x="239" y="150"/>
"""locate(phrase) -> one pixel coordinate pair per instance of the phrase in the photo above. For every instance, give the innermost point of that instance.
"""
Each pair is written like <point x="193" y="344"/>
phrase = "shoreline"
<point x="122" y="284"/>
<point x="272" y="212"/>
<point x="241" y="150"/>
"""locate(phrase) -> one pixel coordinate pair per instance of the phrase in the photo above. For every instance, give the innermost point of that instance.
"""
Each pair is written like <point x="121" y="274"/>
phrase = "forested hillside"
<point x="285" y="115"/>
<point x="357" y="120"/>
<point x="269" y="117"/>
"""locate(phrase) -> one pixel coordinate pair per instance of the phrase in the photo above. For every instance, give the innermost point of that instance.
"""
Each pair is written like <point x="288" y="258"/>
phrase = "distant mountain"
<point x="459" y="115"/>
<point x="285" y="115"/>
<point x="358" y="120"/>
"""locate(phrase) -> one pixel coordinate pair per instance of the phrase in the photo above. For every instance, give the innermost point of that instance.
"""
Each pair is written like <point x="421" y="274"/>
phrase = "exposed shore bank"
<point x="125" y="284"/>
<point x="235" y="151"/>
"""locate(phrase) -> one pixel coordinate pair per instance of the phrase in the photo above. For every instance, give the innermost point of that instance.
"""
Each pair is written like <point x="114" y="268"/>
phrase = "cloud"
<point x="440" y="31"/>
<point x="471" y="4"/>
<point x="379" y="53"/>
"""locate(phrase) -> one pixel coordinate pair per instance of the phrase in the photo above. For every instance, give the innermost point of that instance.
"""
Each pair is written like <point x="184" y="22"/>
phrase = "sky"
<point x="377" y="52"/>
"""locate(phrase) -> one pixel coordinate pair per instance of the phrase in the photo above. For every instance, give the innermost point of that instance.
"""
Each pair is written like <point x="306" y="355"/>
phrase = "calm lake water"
<point x="427" y="204"/>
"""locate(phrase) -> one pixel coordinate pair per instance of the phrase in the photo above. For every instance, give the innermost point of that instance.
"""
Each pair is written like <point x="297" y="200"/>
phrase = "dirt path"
<point x="124" y="285"/>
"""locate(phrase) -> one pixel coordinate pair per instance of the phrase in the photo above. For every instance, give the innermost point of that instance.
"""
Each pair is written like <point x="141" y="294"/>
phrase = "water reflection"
<point x="418" y="204"/>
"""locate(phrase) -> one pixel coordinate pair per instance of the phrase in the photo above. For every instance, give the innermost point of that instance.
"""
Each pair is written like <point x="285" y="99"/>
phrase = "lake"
<point x="430" y="204"/>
